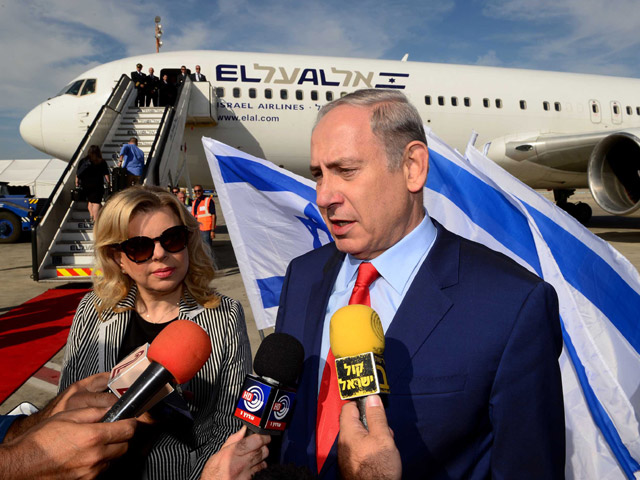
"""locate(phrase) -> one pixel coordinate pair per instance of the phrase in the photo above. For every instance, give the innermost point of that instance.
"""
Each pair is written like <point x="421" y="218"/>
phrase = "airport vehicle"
<point x="552" y="130"/>
<point x="18" y="213"/>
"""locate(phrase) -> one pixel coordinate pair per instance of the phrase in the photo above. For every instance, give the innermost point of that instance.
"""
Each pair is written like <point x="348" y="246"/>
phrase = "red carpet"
<point x="33" y="333"/>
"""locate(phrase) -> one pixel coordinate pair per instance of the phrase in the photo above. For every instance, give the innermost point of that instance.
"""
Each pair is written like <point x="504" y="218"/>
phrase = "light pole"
<point x="158" y="34"/>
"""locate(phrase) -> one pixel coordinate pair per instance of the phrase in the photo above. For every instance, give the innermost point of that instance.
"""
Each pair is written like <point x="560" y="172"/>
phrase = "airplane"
<point x="552" y="130"/>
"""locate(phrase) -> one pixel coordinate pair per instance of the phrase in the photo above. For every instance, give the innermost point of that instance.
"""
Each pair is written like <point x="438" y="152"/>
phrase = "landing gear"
<point x="580" y="211"/>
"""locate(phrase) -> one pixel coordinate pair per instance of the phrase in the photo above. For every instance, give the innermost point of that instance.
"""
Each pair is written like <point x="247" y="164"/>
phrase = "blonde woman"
<point x="155" y="269"/>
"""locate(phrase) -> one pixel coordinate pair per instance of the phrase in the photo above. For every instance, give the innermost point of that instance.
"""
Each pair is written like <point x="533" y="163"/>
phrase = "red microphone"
<point x="177" y="354"/>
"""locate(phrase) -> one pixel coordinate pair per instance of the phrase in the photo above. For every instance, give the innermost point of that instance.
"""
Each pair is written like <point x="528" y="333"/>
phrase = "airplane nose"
<point x="31" y="128"/>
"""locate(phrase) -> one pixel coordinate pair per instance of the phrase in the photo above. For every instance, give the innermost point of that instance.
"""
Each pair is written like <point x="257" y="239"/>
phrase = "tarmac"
<point x="623" y="233"/>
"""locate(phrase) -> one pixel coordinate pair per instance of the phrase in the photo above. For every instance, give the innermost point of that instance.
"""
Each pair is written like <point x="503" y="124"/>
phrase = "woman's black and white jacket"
<point x="92" y="347"/>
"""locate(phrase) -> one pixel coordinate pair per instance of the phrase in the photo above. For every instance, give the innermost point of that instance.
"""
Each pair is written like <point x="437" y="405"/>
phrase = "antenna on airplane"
<point x="404" y="59"/>
<point x="158" y="34"/>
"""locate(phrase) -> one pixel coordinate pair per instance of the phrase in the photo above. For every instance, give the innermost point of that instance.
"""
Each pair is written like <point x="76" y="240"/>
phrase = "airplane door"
<point x="594" y="109"/>
<point x="616" y="112"/>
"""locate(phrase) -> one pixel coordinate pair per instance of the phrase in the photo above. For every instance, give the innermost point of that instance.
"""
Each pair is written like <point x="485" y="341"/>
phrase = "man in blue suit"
<point x="472" y="338"/>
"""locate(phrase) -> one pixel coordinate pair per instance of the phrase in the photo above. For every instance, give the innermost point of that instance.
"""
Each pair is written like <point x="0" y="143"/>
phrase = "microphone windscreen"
<point x="182" y="347"/>
<point x="280" y="357"/>
<point x="356" y="329"/>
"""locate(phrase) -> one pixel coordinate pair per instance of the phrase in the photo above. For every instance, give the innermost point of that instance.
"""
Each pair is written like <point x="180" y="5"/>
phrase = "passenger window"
<point x="454" y="101"/>
<point x="498" y="103"/>
<point x="329" y="96"/>
<point x="467" y="102"/>
<point x="284" y="94"/>
<point x="268" y="93"/>
<point x="594" y="107"/>
<point x="89" y="87"/>
<point x="427" y="99"/>
<point x="523" y="104"/>
<point x="440" y="100"/>
<point x="252" y="93"/>
<point x="314" y="95"/>
<point x="299" y="95"/>
<point x="557" y="106"/>
<point x="637" y="110"/>
<point x="546" y="106"/>
<point x="236" y="92"/>
<point x="616" y="110"/>
<point x="219" y="92"/>
<point x="629" y="110"/>
<point x="485" y="102"/>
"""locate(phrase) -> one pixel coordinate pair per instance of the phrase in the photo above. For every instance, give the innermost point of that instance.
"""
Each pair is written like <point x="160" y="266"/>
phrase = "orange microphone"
<point x="177" y="354"/>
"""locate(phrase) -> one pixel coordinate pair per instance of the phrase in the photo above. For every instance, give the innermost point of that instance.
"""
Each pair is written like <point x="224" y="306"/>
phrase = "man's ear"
<point x="416" y="165"/>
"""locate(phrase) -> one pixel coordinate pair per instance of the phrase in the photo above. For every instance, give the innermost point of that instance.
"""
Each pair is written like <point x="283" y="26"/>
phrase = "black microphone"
<point x="177" y="354"/>
<point x="266" y="401"/>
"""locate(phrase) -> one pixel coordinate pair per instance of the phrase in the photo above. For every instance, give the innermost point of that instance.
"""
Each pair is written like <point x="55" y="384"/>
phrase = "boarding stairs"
<point x="62" y="243"/>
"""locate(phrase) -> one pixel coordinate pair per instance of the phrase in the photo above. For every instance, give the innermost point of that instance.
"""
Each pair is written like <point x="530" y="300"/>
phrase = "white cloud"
<point x="577" y="35"/>
<point x="489" y="59"/>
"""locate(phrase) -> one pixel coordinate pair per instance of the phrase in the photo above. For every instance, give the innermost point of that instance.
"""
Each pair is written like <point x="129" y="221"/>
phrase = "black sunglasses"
<point x="140" y="249"/>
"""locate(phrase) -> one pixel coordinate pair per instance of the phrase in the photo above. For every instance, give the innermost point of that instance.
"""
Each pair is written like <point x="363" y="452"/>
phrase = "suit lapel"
<point x="424" y="305"/>
<point x="317" y="307"/>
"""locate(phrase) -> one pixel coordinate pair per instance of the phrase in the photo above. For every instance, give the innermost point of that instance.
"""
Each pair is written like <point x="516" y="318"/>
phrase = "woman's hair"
<point x="95" y="155"/>
<point x="112" y="227"/>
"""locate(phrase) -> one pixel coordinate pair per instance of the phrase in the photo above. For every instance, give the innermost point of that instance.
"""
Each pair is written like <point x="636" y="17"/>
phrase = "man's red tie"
<point x="329" y="402"/>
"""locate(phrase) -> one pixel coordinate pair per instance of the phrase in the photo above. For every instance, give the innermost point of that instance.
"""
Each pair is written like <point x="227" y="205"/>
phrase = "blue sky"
<point x="45" y="43"/>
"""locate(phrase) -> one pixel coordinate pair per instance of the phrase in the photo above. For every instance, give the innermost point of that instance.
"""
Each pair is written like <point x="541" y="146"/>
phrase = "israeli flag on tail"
<point x="272" y="218"/>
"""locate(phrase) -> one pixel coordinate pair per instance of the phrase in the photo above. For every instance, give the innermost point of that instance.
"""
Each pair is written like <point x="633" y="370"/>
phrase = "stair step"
<point x="73" y="246"/>
<point x="80" y="259"/>
<point x="76" y="235"/>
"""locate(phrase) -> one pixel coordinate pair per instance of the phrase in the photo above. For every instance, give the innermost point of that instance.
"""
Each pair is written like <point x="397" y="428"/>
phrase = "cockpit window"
<point x="72" y="88"/>
<point x="89" y="87"/>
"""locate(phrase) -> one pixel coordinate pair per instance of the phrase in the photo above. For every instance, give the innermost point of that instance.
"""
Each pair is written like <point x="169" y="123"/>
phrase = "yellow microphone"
<point x="357" y="342"/>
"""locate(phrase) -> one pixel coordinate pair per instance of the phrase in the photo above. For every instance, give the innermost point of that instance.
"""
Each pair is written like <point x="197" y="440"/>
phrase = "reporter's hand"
<point x="239" y="458"/>
<point x="88" y="392"/>
<point x="67" y="445"/>
<point x="368" y="454"/>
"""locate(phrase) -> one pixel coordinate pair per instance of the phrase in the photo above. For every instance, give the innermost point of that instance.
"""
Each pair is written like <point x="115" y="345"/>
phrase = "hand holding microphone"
<point x="357" y="342"/>
<point x="177" y="354"/>
<point x="368" y="454"/>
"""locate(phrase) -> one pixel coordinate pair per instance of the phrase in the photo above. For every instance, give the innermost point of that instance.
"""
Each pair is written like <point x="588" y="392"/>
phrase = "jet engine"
<point x="614" y="172"/>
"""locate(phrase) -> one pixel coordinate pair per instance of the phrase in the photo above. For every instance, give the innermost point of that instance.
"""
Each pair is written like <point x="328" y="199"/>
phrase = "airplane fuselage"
<point x="266" y="104"/>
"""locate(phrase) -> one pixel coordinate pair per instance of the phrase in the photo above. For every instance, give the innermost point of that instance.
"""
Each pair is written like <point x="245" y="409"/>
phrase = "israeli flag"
<point x="272" y="218"/>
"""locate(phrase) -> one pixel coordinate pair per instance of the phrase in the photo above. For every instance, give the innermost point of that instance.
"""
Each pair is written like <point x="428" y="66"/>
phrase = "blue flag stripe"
<point x="243" y="170"/>
<point x="588" y="273"/>
<point x="270" y="289"/>
<point x="598" y="413"/>
<point x="488" y="208"/>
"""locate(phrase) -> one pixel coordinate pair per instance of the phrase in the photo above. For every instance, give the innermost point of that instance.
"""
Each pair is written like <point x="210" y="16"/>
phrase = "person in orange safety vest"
<point x="204" y="209"/>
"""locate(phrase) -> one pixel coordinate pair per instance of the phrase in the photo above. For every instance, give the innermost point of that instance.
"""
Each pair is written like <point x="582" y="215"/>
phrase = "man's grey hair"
<point x="394" y="120"/>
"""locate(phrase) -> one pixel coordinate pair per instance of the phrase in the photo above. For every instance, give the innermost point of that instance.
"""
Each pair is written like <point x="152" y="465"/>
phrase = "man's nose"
<point x="327" y="193"/>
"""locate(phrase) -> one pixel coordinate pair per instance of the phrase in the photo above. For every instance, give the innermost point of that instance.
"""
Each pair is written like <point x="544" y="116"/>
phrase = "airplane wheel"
<point x="582" y="212"/>
<point x="9" y="227"/>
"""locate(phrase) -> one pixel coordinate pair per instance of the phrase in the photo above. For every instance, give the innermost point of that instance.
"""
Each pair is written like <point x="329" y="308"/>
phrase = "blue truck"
<point x="19" y="212"/>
